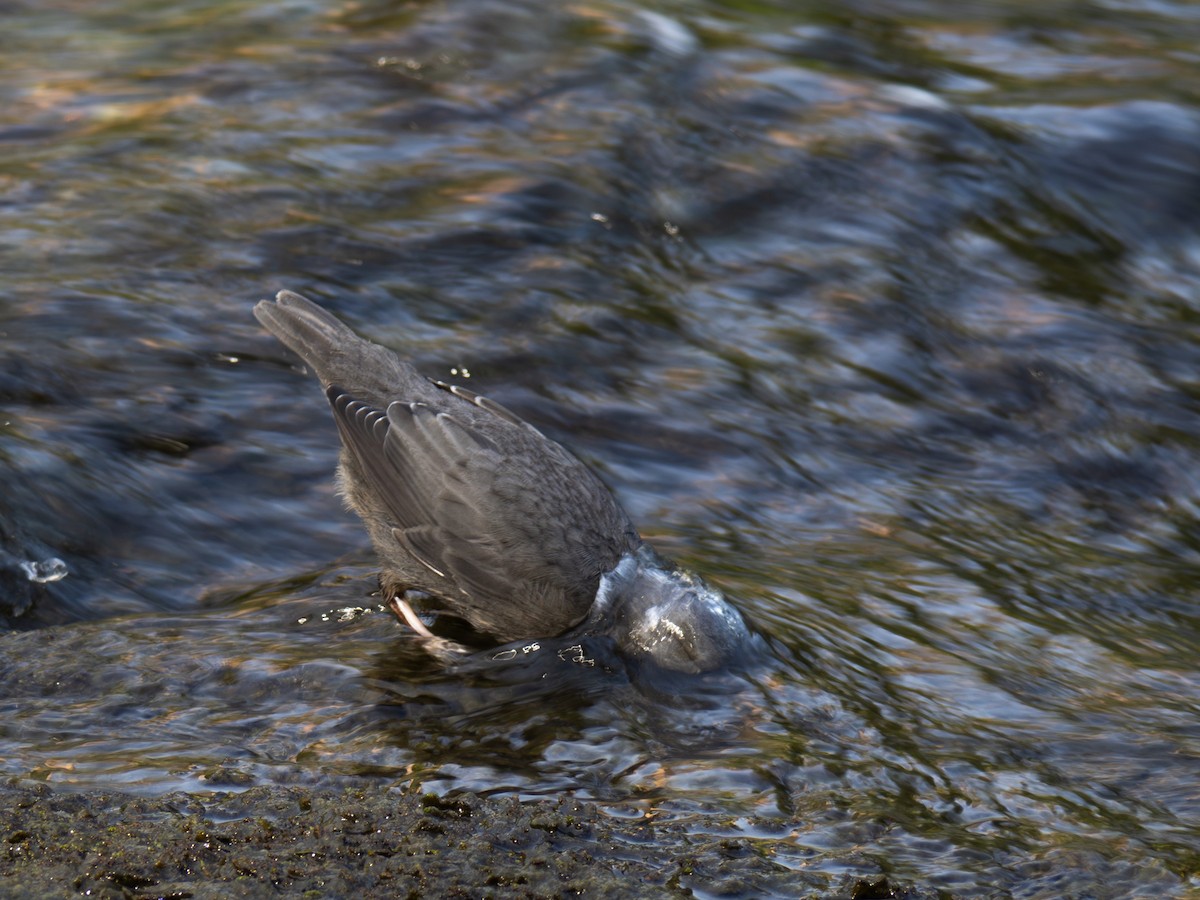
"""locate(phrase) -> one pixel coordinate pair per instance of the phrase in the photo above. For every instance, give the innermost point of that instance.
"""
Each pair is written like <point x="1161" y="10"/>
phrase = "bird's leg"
<point x="441" y="648"/>
<point x="398" y="599"/>
<point x="405" y="613"/>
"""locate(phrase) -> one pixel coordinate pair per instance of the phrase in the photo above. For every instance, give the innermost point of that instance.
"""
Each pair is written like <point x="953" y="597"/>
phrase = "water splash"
<point x="46" y="571"/>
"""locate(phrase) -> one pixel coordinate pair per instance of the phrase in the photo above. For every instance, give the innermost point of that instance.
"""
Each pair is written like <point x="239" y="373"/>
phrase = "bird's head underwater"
<point x="657" y="612"/>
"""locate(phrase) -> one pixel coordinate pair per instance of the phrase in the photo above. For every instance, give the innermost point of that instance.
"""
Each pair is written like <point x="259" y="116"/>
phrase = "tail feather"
<point x="307" y="329"/>
<point x="337" y="355"/>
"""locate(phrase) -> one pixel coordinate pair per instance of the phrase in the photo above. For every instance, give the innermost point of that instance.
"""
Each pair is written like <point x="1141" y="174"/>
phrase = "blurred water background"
<point x="884" y="316"/>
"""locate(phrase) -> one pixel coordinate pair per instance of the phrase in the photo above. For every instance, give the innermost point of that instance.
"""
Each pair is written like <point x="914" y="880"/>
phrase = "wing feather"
<point x="470" y="514"/>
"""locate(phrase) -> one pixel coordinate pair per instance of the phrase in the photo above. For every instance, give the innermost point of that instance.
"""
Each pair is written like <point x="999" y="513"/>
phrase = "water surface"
<point x="881" y="316"/>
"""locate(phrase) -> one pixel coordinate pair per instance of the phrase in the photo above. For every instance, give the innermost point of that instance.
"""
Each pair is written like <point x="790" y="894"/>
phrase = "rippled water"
<point x="882" y="316"/>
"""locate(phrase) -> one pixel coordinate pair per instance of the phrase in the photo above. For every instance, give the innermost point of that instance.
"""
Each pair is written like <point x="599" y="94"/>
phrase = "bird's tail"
<point x="307" y="329"/>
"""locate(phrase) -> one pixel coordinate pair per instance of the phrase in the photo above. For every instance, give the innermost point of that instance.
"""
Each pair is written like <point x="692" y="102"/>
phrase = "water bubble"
<point x="576" y="654"/>
<point x="46" y="571"/>
<point x="668" y="35"/>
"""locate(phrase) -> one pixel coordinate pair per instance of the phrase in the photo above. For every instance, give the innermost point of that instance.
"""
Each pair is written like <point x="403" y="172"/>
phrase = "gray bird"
<point x="468" y="503"/>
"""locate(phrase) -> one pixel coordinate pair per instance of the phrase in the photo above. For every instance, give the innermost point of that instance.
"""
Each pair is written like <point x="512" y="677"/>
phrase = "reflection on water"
<point x="882" y="318"/>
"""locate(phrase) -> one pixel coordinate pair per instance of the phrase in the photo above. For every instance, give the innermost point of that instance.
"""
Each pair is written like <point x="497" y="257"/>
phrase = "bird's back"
<point x="462" y="498"/>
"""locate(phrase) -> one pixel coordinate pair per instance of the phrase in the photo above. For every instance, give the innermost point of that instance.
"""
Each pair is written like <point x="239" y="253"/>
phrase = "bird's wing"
<point x="473" y="512"/>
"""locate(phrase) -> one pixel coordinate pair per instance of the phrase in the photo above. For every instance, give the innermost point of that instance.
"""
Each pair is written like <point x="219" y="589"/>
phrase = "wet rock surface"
<point x="295" y="842"/>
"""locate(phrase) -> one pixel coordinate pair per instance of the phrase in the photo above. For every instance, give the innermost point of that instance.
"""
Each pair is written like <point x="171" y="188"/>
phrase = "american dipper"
<point x="468" y="503"/>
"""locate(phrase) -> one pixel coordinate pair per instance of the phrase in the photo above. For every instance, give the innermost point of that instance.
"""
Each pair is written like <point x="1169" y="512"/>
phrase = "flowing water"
<point x="885" y="317"/>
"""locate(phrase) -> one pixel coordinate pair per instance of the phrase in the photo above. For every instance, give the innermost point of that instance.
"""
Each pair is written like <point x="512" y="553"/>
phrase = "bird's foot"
<point x="405" y="613"/>
<point x="438" y="647"/>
